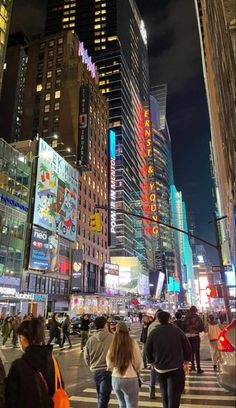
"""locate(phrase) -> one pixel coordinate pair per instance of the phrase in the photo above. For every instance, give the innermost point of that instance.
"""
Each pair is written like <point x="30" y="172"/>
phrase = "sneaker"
<point x="192" y="369"/>
<point x="215" y="367"/>
<point x="200" y="371"/>
<point x="152" y="393"/>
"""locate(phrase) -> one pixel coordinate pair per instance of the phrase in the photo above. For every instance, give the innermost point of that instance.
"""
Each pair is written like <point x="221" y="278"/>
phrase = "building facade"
<point x="15" y="177"/>
<point x="114" y="35"/>
<point x="5" y="16"/>
<point x="216" y="21"/>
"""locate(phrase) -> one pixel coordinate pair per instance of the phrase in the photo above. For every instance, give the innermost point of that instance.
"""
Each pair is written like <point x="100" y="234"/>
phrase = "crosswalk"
<point x="56" y="349"/>
<point x="200" y="390"/>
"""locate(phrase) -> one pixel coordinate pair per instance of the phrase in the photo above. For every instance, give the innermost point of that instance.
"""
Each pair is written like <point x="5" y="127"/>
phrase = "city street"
<point x="200" y="390"/>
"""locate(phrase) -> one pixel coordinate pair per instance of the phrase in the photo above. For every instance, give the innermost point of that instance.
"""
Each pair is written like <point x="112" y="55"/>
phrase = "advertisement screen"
<point x="111" y="272"/>
<point x="143" y="285"/>
<point x="44" y="250"/>
<point x="77" y="268"/>
<point x="56" y="193"/>
<point x="160" y="282"/>
<point x="112" y="188"/>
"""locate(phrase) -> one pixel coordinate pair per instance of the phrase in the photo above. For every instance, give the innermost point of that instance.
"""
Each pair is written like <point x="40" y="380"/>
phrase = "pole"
<point x="222" y="269"/>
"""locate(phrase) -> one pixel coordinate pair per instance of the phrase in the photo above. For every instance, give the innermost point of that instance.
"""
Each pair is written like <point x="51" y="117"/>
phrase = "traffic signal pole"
<point x="217" y="247"/>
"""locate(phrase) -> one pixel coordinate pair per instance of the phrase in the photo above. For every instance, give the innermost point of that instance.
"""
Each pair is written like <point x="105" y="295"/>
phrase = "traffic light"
<point x="211" y="291"/>
<point x="95" y="222"/>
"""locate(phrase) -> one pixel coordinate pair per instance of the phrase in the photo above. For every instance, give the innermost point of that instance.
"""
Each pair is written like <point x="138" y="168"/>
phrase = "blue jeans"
<point x="172" y="386"/>
<point x="126" y="390"/>
<point x="102" y="380"/>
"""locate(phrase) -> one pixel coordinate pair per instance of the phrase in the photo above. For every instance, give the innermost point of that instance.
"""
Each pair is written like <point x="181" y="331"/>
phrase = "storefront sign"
<point x="44" y="250"/>
<point x="112" y="188"/>
<point x="84" y="128"/>
<point x="7" y="291"/>
<point x="13" y="203"/>
<point x="77" y="268"/>
<point x="56" y="194"/>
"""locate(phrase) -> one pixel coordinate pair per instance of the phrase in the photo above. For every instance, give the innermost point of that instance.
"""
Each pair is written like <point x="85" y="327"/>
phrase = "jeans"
<point x="14" y="338"/>
<point x="66" y="335"/>
<point x="214" y="351"/>
<point x="126" y="390"/>
<point x="84" y="338"/>
<point x="153" y="378"/>
<point x="195" y="345"/>
<point x="171" y="386"/>
<point x="102" y="380"/>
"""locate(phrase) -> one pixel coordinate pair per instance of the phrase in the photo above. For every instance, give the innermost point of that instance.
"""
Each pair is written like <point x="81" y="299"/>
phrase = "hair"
<point x="178" y="315"/>
<point x="163" y="317"/>
<point x="100" y="322"/>
<point x="33" y="331"/>
<point x="193" y="309"/>
<point x="121" y="350"/>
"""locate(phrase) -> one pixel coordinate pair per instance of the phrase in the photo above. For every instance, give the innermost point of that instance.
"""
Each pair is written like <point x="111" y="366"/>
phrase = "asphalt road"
<point x="200" y="390"/>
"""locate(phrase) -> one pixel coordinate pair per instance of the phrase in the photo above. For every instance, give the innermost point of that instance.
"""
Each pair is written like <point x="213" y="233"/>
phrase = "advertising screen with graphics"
<point x="111" y="272"/>
<point x="44" y="250"/>
<point x="77" y="268"/>
<point x="84" y="128"/>
<point x="112" y="187"/>
<point x="160" y="283"/>
<point x="143" y="285"/>
<point x="56" y="193"/>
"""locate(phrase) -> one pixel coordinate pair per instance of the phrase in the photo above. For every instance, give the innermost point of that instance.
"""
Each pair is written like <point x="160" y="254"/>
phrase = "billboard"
<point x="44" y="250"/>
<point x="84" y="128"/>
<point x="143" y="285"/>
<point x="111" y="272"/>
<point x="160" y="283"/>
<point x="56" y="193"/>
<point x="112" y="188"/>
<point x="77" y="268"/>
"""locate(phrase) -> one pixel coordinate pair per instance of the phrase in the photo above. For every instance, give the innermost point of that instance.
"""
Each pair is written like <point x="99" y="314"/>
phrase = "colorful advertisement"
<point x="111" y="272"/>
<point x="77" y="268"/>
<point x="56" y="193"/>
<point x="112" y="188"/>
<point x="84" y="128"/>
<point x="143" y="285"/>
<point x="44" y="250"/>
<point x="160" y="283"/>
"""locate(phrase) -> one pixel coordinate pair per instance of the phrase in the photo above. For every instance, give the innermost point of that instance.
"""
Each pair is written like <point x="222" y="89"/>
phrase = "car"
<point x="227" y="357"/>
<point x="76" y="324"/>
<point x="117" y="319"/>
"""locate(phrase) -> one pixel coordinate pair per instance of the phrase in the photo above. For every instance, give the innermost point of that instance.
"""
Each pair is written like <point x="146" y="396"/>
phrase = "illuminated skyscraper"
<point x="114" y="34"/>
<point x="5" y="14"/>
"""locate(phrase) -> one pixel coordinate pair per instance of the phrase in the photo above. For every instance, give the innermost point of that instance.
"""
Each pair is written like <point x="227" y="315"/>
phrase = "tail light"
<point x="223" y="342"/>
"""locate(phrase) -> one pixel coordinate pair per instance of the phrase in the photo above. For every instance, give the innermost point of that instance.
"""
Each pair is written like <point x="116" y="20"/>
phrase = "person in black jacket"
<point x="179" y="322"/>
<point x="143" y="337"/>
<point x="84" y="330"/>
<point x="169" y="351"/>
<point x="193" y="325"/>
<point x="2" y="382"/>
<point x="31" y="379"/>
<point x="55" y="330"/>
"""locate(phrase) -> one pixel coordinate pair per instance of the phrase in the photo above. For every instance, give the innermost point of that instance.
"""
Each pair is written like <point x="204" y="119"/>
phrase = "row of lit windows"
<point x="51" y="43"/>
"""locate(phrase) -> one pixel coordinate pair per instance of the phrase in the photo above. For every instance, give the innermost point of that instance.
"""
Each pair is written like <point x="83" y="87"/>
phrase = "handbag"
<point x="60" y="397"/>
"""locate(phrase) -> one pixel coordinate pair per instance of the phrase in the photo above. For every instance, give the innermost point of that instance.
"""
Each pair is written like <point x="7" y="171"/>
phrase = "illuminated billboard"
<point x="77" y="269"/>
<point x="160" y="283"/>
<point x="84" y="128"/>
<point x="56" y="193"/>
<point x="44" y="250"/>
<point x="111" y="272"/>
<point x="112" y="187"/>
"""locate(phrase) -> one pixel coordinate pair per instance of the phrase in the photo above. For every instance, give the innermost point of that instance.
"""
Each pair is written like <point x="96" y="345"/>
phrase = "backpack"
<point x="60" y="397"/>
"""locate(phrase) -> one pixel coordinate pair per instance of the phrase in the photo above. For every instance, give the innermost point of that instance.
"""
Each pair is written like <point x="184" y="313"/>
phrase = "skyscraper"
<point x="5" y="15"/>
<point x="114" y="34"/>
<point x="216" y="20"/>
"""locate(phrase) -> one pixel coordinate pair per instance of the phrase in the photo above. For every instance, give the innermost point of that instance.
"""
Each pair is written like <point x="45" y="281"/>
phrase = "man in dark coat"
<point x="55" y="330"/>
<point x="193" y="325"/>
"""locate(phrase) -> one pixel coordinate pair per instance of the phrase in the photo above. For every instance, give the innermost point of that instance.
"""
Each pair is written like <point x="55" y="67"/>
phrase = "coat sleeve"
<point x="187" y="351"/>
<point x="12" y="387"/>
<point x="149" y="349"/>
<point x="2" y="385"/>
<point x="87" y="354"/>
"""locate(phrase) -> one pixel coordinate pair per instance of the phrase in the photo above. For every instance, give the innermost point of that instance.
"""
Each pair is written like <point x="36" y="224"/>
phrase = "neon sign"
<point x="82" y="52"/>
<point x="112" y="189"/>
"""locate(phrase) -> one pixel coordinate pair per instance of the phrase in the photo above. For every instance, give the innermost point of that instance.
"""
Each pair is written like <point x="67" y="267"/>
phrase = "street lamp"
<point x="55" y="136"/>
<point x="68" y="149"/>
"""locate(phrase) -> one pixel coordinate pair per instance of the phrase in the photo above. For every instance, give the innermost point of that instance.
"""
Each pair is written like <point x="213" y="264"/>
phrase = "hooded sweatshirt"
<point x="96" y="349"/>
<point x="213" y="331"/>
<point x="24" y="386"/>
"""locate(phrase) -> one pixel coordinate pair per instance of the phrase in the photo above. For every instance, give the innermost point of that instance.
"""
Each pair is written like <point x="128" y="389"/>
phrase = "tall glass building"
<point x="114" y="34"/>
<point x="5" y="14"/>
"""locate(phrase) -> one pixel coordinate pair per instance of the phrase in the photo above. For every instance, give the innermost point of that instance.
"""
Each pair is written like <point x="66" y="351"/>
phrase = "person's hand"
<point x="186" y="367"/>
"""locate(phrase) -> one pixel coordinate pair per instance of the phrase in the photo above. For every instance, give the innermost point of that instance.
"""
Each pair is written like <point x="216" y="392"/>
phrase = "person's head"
<point x="163" y="317"/>
<point x="100" y="322"/>
<point x="31" y="333"/>
<point x="156" y="314"/>
<point x="121" y="350"/>
<point x="146" y="319"/>
<point x="54" y="316"/>
<point x="211" y="319"/>
<point x="193" y="309"/>
<point x="86" y="317"/>
<point x="178" y="315"/>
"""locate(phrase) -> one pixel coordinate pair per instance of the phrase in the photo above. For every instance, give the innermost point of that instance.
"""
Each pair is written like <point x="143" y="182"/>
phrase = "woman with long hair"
<point x="124" y="359"/>
<point x="31" y="379"/>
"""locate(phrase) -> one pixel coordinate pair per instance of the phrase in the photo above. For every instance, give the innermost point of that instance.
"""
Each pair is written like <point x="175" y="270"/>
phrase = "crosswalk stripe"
<point x="184" y="396"/>
<point x="203" y="388"/>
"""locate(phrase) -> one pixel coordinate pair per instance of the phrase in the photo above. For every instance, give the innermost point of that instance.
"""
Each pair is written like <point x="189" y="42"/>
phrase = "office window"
<point x="51" y="43"/>
<point x="39" y="88"/>
<point x="57" y="106"/>
<point x="57" y="94"/>
<point x="48" y="85"/>
<point x="60" y="40"/>
<point x="50" y="53"/>
<point x="49" y="74"/>
<point x="47" y="97"/>
<point x="46" y="108"/>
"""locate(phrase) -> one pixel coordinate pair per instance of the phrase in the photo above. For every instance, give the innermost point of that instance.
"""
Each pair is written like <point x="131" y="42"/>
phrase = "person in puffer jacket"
<point x="193" y="325"/>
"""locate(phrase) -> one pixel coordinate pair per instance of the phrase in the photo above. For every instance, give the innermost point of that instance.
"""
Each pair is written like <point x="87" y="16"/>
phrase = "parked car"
<point x="76" y="324"/>
<point x="227" y="358"/>
<point x="117" y="319"/>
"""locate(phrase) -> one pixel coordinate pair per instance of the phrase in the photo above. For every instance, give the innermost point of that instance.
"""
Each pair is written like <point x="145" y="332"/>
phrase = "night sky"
<point x="175" y="59"/>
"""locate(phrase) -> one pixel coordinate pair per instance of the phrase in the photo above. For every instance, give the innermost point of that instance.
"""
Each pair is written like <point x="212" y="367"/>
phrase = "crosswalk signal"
<point x="211" y="291"/>
<point x="95" y="222"/>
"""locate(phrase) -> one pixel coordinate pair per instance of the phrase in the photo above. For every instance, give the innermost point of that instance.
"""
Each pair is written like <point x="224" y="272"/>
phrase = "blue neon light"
<point x="112" y="138"/>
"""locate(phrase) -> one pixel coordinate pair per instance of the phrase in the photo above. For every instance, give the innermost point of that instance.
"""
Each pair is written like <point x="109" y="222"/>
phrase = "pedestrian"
<point x="193" y="325"/>
<point x="143" y="337"/>
<point x="54" y="330"/>
<point x="213" y="334"/>
<point x="84" y="330"/>
<point x="178" y="322"/>
<point x="169" y="351"/>
<point x="95" y="353"/>
<point x="2" y="381"/>
<point x="140" y="317"/>
<point x="66" y="326"/>
<point x="6" y="329"/>
<point x="15" y="326"/>
<point x="153" y="373"/>
<point x="125" y="360"/>
<point x="31" y="379"/>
